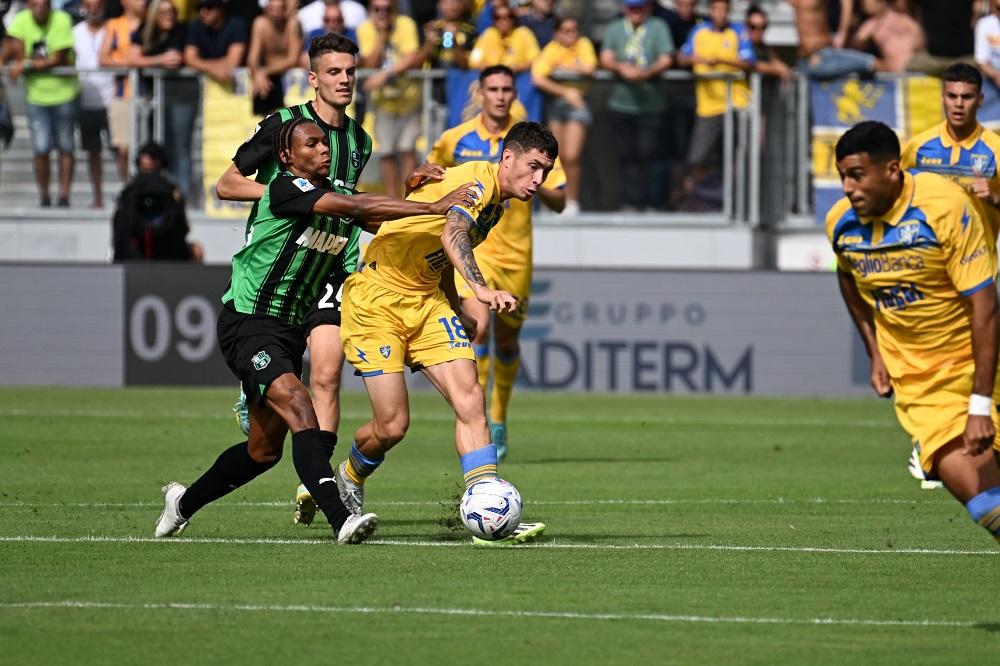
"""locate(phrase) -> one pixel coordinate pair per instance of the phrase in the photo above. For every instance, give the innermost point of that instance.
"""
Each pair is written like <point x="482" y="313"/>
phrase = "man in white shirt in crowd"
<point x="311" y="15"/>
<point x="987" y="52"/>
<point x="96" y="91"/>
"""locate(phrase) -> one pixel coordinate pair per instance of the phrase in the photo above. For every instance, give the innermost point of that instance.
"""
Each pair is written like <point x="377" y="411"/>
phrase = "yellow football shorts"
<point x="384" y="331"/>
<point x="516" y="281"/>
<point x="934" y="408"/>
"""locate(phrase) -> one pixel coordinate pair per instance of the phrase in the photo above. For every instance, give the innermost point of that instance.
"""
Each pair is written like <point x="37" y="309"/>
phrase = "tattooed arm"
<point x="458" y="247"/>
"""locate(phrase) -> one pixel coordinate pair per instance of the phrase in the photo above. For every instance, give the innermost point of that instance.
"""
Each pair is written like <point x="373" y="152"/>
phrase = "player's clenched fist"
<point x="469" y="324"/>
<point x="979" y="434"/>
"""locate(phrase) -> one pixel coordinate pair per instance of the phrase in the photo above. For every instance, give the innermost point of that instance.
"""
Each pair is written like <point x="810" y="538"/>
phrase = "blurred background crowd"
<point x="662" y="74"/>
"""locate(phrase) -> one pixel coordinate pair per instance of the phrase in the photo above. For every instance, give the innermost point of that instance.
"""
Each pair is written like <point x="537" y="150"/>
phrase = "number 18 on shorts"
<point x="384" y="331"/>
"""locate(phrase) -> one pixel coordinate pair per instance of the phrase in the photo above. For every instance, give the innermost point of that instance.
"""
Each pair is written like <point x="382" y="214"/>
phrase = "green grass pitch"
<point x="680" y="531"/>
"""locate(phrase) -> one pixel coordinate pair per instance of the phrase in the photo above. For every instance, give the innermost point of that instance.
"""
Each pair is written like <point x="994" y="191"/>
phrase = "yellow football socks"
<point x="482" y="364"/>
<point x="504" y="375"/>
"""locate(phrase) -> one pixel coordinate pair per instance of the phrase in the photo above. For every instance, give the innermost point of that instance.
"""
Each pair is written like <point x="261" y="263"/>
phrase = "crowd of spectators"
<point x="668" y="135"/>
<point x="389" y="42"/>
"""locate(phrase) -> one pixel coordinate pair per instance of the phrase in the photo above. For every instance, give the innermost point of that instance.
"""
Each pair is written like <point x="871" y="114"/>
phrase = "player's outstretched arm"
<point x="979" y="429"/>
<point x="369" y="210"/>
<point x="458" y="247"/>
<point x="864" y="319"/>
<point x="234" y="186"/>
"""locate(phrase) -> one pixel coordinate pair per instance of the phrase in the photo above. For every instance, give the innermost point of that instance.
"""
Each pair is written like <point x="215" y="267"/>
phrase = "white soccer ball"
<point x="491" y="509"/>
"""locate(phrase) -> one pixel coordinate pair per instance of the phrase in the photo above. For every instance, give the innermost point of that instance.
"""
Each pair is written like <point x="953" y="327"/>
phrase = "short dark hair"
<point x="964" y="73"/>
<point x="495" y="69"/>
<point x="505" y="4"/>
<point x="283" y="137"/>
<point x="560" y="19"/>
<point x="526" y="135"/>
<point x="755" y="9"/>
<point x="153" y="151"/>
<point x="872" y="137"/>
<point x="331" y="42"/>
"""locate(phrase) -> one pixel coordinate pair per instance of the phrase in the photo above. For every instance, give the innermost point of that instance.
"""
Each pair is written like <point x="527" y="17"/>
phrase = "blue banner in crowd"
<point x="908" y="105"/>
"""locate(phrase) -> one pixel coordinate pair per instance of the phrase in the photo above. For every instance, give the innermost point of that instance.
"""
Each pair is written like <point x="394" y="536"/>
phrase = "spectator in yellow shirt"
<point x="715" y="46"/>
<point x="505" y="43"/>
<point x="567" y="113"/>
<point x="389" y="42"/>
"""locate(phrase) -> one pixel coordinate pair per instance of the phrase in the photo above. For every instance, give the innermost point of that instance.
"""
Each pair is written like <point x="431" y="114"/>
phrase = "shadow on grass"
<point x="991" y="627"/>
<point x="599" y="461"/>
<point x="411" y="522"/>
<point x="628" y="539"/>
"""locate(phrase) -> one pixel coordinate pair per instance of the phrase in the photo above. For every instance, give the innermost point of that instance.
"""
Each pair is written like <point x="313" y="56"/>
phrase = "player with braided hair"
<point x="333" y="65"/>
<point x="283" y="137"/>
<point x="296" y="235"/>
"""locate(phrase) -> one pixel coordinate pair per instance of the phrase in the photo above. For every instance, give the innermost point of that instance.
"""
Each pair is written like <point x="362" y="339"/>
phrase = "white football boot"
<point x="917" y="472"/>
<point x="357" y="528"/>
<point x="351" y="494"/>
<point x="171" y="523"/>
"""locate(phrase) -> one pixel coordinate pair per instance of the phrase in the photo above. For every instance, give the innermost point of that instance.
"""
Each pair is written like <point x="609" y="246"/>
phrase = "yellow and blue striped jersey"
<point x="732" y="43"/>
<point x="937" y="152"/>
<point x="467" y="142"/>
<point x="913" y="266"/>
<point x="509" y="245"/>
<point x="407" y="256"/>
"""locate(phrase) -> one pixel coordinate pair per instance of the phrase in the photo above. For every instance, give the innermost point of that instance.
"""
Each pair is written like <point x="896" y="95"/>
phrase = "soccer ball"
<point x="491" y="509"/>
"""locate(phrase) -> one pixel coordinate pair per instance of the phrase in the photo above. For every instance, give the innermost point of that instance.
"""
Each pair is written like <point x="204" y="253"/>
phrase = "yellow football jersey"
<point x="517" y="50"/>
<point x="407" y="256"/>
<point x="556" y="56"/>
<point x="913" y="266"/>
<point x="935" y="151"/>
<point x="510" y="244"/>
<point x="400" y="95"/>
<point x="731" y="43"/>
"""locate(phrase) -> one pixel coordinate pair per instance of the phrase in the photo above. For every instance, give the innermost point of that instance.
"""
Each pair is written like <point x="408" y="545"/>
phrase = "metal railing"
<point x="748" y="197"/>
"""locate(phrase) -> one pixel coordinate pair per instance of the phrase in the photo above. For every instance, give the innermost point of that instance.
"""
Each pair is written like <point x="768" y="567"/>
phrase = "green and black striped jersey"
<point x="289" y="252"/>
<point x="350" y="150"/>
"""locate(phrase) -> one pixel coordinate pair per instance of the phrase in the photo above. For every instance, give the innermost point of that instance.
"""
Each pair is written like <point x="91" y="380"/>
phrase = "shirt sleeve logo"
<point x="303" y="184"/>
<point x="968" y="259"/>
<point x="482" y="189"/>
<point x="261" y="360"/>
